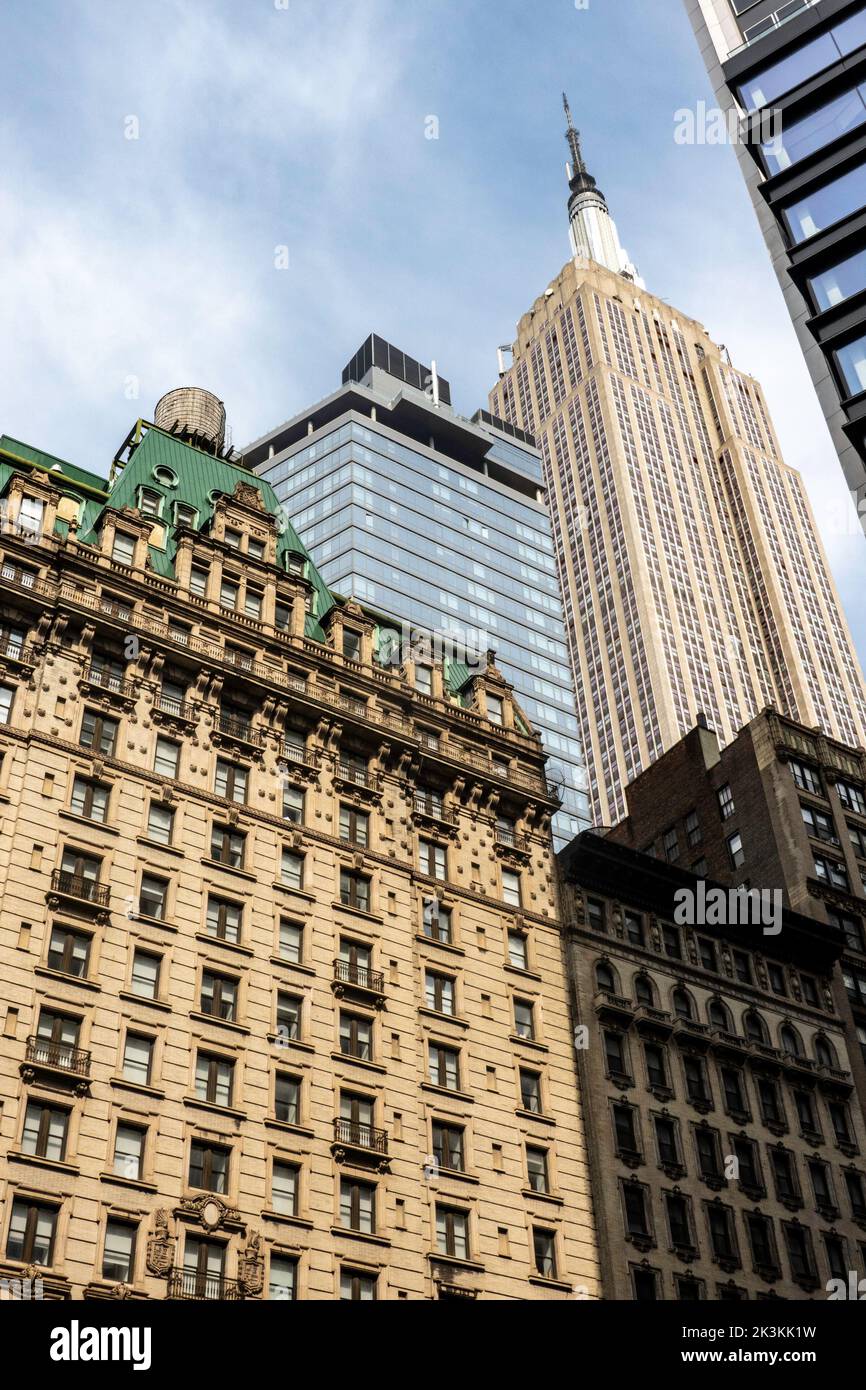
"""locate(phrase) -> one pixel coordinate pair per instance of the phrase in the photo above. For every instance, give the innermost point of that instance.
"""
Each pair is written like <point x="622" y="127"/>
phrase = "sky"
<point x="235" y="193"/>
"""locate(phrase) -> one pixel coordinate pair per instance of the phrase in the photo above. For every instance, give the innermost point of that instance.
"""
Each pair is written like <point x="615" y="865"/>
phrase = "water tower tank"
<point x="195" y="415"/>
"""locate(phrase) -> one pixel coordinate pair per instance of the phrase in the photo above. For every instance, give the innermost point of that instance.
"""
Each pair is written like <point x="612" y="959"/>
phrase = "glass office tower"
<point x="441" y="521"/>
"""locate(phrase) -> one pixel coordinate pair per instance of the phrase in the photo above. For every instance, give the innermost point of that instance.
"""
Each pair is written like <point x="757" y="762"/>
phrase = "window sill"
<point x="286" y="1128"/>
<point x="535" y="1115"/>
<point x="135" y="1184"/>
<point x="444" y="1018"/>
<point x="158" y="844"/>
<point x="368" y="1239"/>
<point x="528" y="1042"/>
<point x="196" y="1103"/>
<point x="121" y="1084"/>
<point x="132" y="998"/>
<point x="53" y="1165"/>
<point x="440" y="945"/>
<point x="295" y="892"/>
<point x="541" y="1283"/>
<point x="220" y="941"/>
<point x="150" y="921"/>
<point x="290" y="1044"/>
<point x="86" y="821"/>
<point x="550" y="1197"/>
<point x="292" y="965"/>
<point x="229" y="869"/>
<point x="359" y="1062"/>
<point x="62" y="978"/>
<point x="446" y="1091"/>
<point x="372" y="917"/>
<point x="457" y="1174"/>
<point x="219" y="1022"/>
<point x="524" y="974"/>
<point x="283" y="1219"/>
<point x="455" y="1262"/>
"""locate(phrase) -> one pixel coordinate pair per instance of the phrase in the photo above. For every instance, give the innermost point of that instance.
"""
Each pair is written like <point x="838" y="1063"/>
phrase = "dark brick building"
<point x="782" y="806"/>
<point x="727" y="1157"/>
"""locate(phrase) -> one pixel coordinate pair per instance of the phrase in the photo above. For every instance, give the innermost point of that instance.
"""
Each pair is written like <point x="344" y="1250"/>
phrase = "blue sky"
<point x="128" y="266"/>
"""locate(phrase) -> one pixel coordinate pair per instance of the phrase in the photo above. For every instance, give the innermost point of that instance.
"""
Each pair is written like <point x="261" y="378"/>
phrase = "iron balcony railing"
<point x="169" y="704"/>
<point x="60" y="1056"/>
<point x="426" y="807"/>
<point x="239" y="728"/>
<point x="107" y="680"/>
<point x="358" y="776"/>
<point x="76" y="886"/>
<point x="15" y="650"/>
<point x="360" y="1136"/>
<point x="348" y="972"/>
<point x="189" y="1283"/>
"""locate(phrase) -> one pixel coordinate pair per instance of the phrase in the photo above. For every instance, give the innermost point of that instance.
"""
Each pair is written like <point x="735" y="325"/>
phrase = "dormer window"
<point x="495" y="709"/>
<point x="30" y="514"/>
<point x="295" y="563"/>
<point x="351" y="644"/>
<point x="123" y="550"/>
<point x="149" y="503"/>
<point x="185" y="515"/>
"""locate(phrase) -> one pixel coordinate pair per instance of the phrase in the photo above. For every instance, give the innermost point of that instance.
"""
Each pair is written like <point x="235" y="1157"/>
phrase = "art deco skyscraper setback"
<point x="694" y="578"/>
<point x="793" y="75"/>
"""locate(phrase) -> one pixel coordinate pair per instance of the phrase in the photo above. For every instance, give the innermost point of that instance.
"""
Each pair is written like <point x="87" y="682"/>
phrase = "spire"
<point x="573" y="138"/>
<point x="593" y="231"/>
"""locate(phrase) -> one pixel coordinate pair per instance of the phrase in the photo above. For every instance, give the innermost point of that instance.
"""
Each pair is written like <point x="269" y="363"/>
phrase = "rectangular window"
<point x="354" y="890"/>
<point x="439" y="992"/>
<point x="495" y="710"/>
<point x="138" y="1059"/>
<point x="693" y="829"/>
<point x="671" y="843"/>
<point x="517" y="950"/>
<point x="358" y="1206"/>
<point x="90" y="800"/>
<point x="452" y="1232"/>
<point x="448" y="1146"/>
<point x="432" y="859"/>
<point x="45" y="1129"/>
<point x="357" y="1286"/>
<point x="208" y="1166"/>
<point x="227" y="846"/>
<point x="530" y="1092"/>
<point x="129" y="1144"/>
<point x="214" y="1078"/>
<point x="287" y="1099"/>
<point x="145" y="974"/>
<point x="69" y="952"/>
<point x="826" y="205"/>
<point x="284" y="1189"/>
<point x="167" y="757"/>
<point x="289" y="1015"/>
<point x="7" y="695"/>
<point x="160" y="823"/>
<point x="634" y="928"/>
<point x="524" y="1019"/>
<point x="356" y="1036"/>
<point x="806" y="778"/>
<point x="153" y="897"/>
<point x="511" y="888"/>
<point x="292" y="869"/>
<point x="98" y="733"/>
<point x="354" y="826"/>
<point x="229" y="593"/>
<point x="537" y="1170"/>
<point x="253" y="603"/>
<point x="853" y="798"/>
<point x="31" y="1233"/>
<point x="735" y="850"/>
<point x="293" y="805"/>
<point x="118" y="1255"/>
<point x="123" y="549"/>
<point x="223" y="919"/>
<point x="444" y="1067"/>
<point x="291" y="941"/>
<point x="437" y="921"/>
<point x="231" y="782"/>
<point x="198" y="581"/>
<point x="219" y="995"/>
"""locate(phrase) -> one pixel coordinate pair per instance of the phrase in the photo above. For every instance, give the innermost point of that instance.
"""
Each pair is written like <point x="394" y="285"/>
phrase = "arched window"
<point x="643" y="991"/>
<point x="755" y="1029"/>
<point x="790" y="1040"/>
<point x="718" y="1015"/>
<point x="683" y="1007"/>
<point x="604" y="977"/>
<point x="825" y="1053"/>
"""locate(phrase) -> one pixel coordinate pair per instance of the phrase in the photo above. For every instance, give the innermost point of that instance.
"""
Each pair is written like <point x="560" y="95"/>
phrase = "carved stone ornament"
<point x="251" y="1270"/>
<point x="249" y="495"/>
<point x="160" y="1247"/>
<point x="212" y="1212"/>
